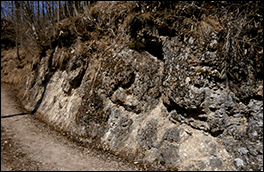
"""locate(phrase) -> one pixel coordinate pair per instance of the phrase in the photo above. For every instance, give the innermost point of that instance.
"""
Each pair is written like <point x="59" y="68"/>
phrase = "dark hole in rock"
<point x="128" y="108"/>
<point x="216" y="133"/>
<point x="78" y="80"/>
<point x="155" y="49"/>
<point x="43" y="51"/>
<point x="198" y="85"/>
<point x="247" y="99"/>
<point x="213" y="109"/>
<point x="171" y="106"/>
<point x="132" y="78"/>
<point x="135" y="25"/>
<point x="202" y="118"/>
<point x="165" y="31"/>
<point x="20" y="66"/>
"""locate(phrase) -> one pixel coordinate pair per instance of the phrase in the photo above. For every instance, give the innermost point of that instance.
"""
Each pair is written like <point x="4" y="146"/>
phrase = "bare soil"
<point x="29" y="144"/>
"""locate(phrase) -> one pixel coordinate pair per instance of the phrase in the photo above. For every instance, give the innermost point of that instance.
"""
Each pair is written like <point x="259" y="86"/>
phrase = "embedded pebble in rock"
<point x="239" y="162"/>
<point x="242" y="150"/>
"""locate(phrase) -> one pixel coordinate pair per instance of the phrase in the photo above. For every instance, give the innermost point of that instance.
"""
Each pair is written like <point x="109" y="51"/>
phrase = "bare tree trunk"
<point x="49" y="12"/>
<point x="2" y="14"/>
<point x="74" y="8"/>
<point x="43" y="10"/>
<point x="30" y="20"/>
<point x="32" y="6"/>
<point x="63" y="11"/>
<point x="67" y="7"/>
<point x="38" y="13"/>
<point x="12" y="10"/>
<point x="85" y="8"/>
<point x="53" y="11"/>
<point x="58" y="11"/>
<point x="22" y="22"/>
<point x="16" y="21"/>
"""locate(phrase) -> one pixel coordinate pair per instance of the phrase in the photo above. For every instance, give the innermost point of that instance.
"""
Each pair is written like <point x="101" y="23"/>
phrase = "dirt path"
<point x="28" y="144"/>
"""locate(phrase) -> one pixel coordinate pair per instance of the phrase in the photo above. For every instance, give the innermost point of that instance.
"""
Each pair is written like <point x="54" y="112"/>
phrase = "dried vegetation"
<point x="110" y="26"/>
<point x="236" y="26"/>
<point x="107" y="27"/>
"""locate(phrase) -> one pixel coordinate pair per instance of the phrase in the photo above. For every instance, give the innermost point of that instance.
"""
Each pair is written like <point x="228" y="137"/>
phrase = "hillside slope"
<point x="169" y="85"/>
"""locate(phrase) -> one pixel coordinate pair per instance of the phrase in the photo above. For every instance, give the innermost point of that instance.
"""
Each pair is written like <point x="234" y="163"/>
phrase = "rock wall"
<point x="165" y="114"/>
<point x="178" y="104"/>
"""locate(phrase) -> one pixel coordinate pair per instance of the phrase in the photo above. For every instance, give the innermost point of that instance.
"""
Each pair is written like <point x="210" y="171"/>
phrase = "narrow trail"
<point x="28" y="144"/>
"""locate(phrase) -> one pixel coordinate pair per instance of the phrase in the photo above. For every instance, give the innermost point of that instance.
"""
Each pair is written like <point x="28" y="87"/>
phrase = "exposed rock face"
<point x="164" y="114"/>
<point x="179" y="107"/>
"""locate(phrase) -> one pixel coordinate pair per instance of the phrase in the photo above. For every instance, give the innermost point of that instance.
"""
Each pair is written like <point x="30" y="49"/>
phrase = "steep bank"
<point x="168" y="85"/>
<point x="30" y="145"/>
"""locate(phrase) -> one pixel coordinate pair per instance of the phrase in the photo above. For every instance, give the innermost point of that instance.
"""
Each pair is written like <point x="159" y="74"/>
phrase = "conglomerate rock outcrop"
<point x="179" y="103"/>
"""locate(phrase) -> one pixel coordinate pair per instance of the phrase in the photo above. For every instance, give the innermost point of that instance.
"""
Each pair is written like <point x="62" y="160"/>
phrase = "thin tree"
<point x="84" y="5"/>
<point x="17" y="9"/>
<point x="58" y="11"/>
<point x="53" y="11"/>
<point x="67" y="8"/>
<point x="12" y="10"/>
<point x="21" y="22"/>
<point x="74" y="8"/>
<point x="49" y="12"/>
<point x="43" y="10"/>
<point x="63" y="10"/>
<point x="30" y="19"/>
<point x="38" y="18"/>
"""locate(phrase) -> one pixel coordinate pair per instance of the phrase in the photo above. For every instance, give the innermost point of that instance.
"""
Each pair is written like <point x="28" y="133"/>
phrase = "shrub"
<point x="136" y="45"/>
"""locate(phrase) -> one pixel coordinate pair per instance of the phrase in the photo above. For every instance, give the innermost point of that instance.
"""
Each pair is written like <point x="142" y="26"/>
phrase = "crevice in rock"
<point x="44" y="83"/>
<point x="132" y="78"/>
<point x="116" y="86"/>
<point x="135" y="26"/>
<point x="127" y="107"/>
<point x="155" y="49"/>
<point x="165" y="31"/>
<point x="247" y="99"/>
<point x="78" y="80"/>
<point x="153" y="46"/>
<point x="190" y="113"/>
<point x="43" y="51"/>
<point x="173" y="106"/>
<point x="216" y="133"/>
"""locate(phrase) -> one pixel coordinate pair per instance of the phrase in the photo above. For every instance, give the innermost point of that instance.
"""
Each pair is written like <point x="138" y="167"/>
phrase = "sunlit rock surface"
<point x="178" y="104"/>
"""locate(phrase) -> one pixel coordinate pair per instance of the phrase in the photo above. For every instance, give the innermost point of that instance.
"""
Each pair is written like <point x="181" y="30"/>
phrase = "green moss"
<point x="253" y="14"/>
<point x="136" y="45"/>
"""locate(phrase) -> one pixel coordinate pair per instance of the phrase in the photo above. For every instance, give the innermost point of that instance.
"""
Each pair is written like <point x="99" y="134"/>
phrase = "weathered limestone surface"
<point x="170" y="113"/>
<point x="181" y="102"/>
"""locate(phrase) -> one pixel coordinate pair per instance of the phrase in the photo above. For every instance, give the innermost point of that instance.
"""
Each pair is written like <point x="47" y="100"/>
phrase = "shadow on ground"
<point x="19" y="114"/>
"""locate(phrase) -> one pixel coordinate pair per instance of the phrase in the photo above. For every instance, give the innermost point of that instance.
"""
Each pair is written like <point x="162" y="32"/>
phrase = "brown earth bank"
<point x="28" y="144"/>
<point x="167" y="85"/>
